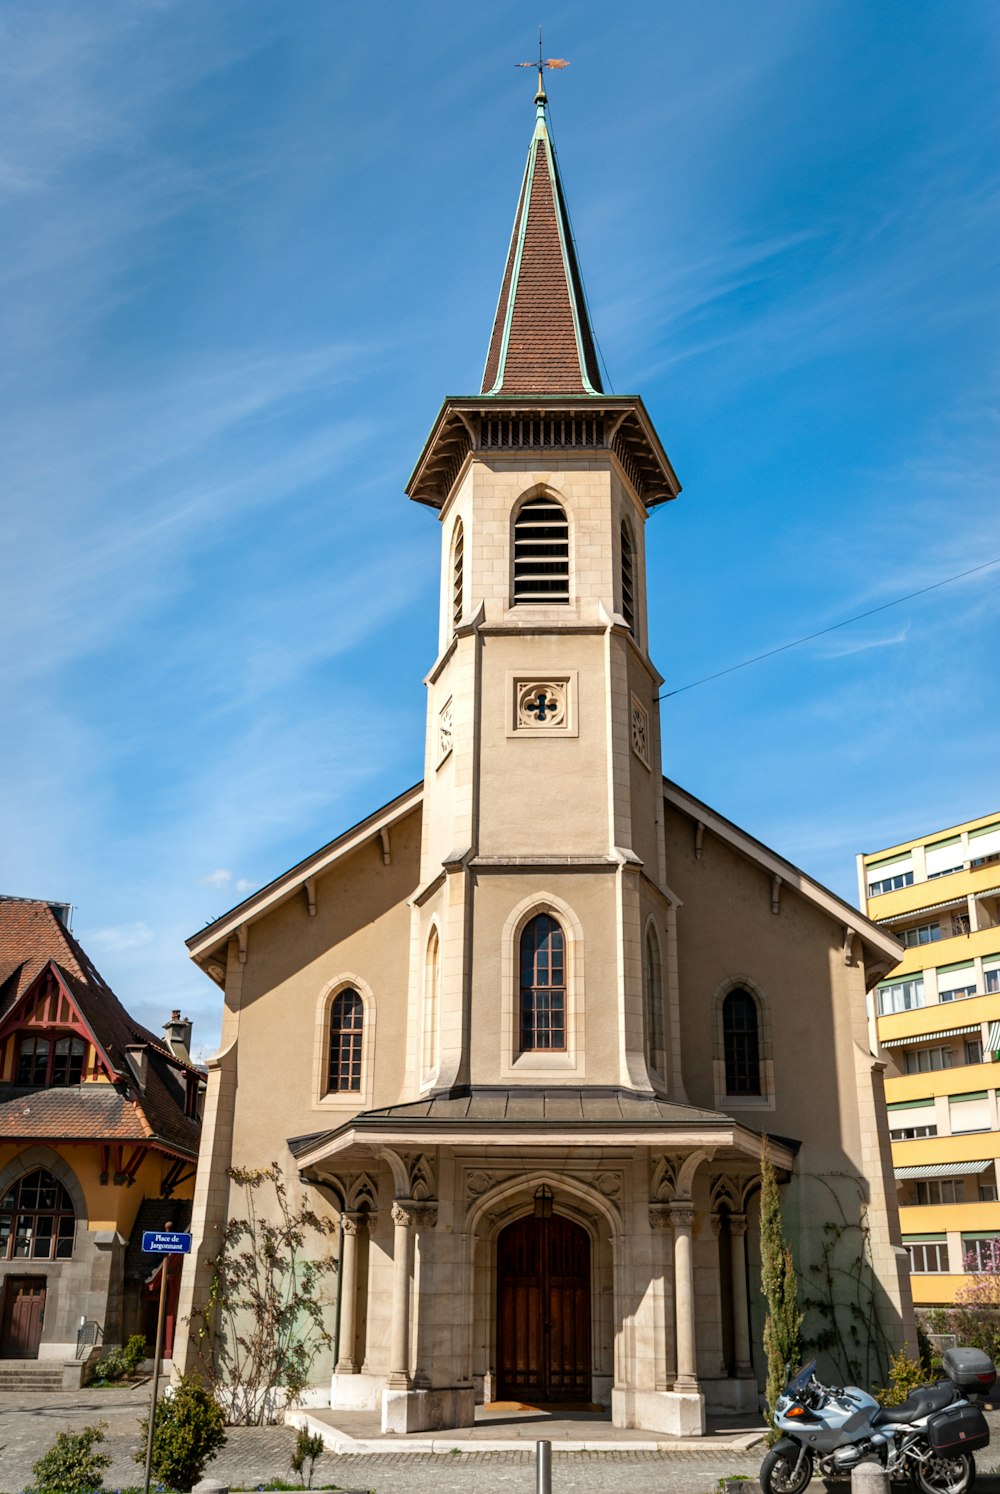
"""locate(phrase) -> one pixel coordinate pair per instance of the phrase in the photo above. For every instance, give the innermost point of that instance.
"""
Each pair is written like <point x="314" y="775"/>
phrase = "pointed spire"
<point x="542" y="341"/>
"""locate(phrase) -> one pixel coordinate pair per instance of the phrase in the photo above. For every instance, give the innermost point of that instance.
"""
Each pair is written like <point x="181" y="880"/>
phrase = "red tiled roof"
<point x="31" y="938"/>
<point x="542" y="341"/>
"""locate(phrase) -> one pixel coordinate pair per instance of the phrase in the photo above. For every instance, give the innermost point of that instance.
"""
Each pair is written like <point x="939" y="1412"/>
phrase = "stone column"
<point x="741" y="1320"/>
<point x="347" y="1364"/>
<point x="660" y="1224"/>
<point x="425" y="1218"/>
<point x="682" y="1218"/>
<point x="399" y="1342"/>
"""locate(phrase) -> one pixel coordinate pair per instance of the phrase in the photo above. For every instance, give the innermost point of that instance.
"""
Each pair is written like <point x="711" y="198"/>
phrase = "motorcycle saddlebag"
<point x="970" y="1370"/>
<point x="958" y="1429"/>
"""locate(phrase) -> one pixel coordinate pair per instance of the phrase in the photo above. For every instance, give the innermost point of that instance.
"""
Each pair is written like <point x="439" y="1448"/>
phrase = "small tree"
<point x="783" y="1324"/>
<point x="309" y="1449"/>
<point x="188" y="1431"/>
<point x="263" y="1323"/>
<point x="71" y="1466"/>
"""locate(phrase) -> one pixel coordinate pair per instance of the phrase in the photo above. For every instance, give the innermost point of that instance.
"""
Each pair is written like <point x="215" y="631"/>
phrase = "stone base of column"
<point x="356" y="1392"/>
<point x="678" y="1413"/>
<point x="427" y="1410"/>
<point x="731" y="1394"/>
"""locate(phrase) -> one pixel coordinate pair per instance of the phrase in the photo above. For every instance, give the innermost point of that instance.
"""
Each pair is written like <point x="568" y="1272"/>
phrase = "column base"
<point x="678" y="1413"/>
<point x="427" y="1410"/>
<point x="739" y="1394"/>
<point x="358" y="1392"/>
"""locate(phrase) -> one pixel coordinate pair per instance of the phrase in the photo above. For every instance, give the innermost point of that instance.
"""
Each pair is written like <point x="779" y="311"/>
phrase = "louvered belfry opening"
<point x="541" y="552"/>
<point x="628" y="577"/>
<point x="457" y="577"/>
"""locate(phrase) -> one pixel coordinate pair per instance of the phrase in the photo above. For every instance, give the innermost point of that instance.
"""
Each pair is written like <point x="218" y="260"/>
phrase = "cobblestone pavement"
<point x="28" y="1425"/>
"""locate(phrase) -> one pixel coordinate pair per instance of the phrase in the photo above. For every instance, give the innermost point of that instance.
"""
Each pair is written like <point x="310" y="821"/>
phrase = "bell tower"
<point x="542" y="791"/>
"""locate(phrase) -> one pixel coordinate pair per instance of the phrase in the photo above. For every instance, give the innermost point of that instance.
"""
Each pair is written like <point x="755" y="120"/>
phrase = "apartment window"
<point x="943" y="857"/>
<point x="987" y="1193"/>
<point x="927" y="1060"/>
<point x="928" y="1256"/>
<point x="890" y="884"/>
<point x="347" y="1016"/>
<point x="927" y="933"/>
<point x="984" y="845"/>
<point x="940" y="1191"/>
<point x="981" y="1253"/>
<point x="974" y="1050"/>
<point x="912" y="1133"/>
<point x="959" y="924"/>
<point x="50" y="1060"/>
<point x="543" y="985"/>
<point x="541" y="552"/>
<point x="36" y="1219"/>
<point x="992" y="979"/>
<point x="957" y="993"/>
<point x="901" y="996"/>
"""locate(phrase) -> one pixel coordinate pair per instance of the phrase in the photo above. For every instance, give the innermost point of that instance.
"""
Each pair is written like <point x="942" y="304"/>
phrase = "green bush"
<point x="308" y="1449"/>
<point x="905" y="1374"/>
<point x="134" y="1352"/>
<point x="71" y="1466"/>
<point x="121" y="1363"/>
<point x="187" y="1433"/>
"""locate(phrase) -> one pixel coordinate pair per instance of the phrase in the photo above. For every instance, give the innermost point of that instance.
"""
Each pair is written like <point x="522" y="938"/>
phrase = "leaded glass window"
<point x="741" y="1043"/>
<point x="543" y="985"/>
<point x="347" y="1017"/>
<point x="36" y="1219"/>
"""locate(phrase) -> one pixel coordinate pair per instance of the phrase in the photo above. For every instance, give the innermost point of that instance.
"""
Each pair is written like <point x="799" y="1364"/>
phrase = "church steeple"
<point x="542" y="340"/>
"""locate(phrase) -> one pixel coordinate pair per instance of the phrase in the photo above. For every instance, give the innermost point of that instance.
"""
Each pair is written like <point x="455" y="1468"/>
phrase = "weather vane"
<point x="542" y="64"/>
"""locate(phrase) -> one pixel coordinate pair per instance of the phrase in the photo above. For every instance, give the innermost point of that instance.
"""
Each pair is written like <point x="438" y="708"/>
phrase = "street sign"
<point x="160" y="1242"/>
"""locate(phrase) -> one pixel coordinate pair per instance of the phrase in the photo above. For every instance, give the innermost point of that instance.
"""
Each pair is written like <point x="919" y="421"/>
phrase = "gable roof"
<point x="886" y="949"/>
<point x="33" y="940"/>
<point x="542" y="340"/>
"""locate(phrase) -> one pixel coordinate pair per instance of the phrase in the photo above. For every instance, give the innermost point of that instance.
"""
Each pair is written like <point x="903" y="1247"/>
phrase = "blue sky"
<point x="248" y="249"/>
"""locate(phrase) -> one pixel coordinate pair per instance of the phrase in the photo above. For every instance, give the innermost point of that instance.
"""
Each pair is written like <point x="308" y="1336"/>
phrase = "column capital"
<point x="659" y="1216"/>
<point x="351" y="1222"/>
<point x="404" y="1212"/>
<point x="682" y="1215"/>
<point x="737" y="1224"/>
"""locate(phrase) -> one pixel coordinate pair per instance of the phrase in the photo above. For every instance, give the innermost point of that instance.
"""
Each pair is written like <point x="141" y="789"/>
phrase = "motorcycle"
<point x="930" y="1437"/>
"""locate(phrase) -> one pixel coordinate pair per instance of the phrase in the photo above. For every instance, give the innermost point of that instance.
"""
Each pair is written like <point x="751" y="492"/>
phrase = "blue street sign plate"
<point x="159" y="1242"/>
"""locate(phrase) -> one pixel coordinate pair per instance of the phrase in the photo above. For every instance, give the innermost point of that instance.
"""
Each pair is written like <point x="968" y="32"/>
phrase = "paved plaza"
<point x="29" y="1423"/>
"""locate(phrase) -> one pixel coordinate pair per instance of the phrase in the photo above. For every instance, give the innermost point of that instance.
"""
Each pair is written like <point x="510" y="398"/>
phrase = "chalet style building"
<point x="99" y="1125"/>
<point x="525" y="1030"/>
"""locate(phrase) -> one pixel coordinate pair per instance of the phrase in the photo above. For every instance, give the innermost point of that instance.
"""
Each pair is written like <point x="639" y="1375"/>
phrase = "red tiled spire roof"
<point x="542" y="341"/>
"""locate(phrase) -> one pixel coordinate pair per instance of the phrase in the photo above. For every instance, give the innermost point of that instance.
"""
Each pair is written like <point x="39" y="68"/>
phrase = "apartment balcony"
<point x="948" y="949"/>
<point x="931" y="1289"/>
<point x="956" y="884"/>
<point x="942" y="1015"/>
<point x="971" y="1146"/>
<point x="972" y="1217"/>
<point x="964" y="1079"/>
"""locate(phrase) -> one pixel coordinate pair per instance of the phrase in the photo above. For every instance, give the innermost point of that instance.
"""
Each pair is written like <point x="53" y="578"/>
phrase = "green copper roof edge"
<point x="558" y="203"/>
<point x="521" y="228"/>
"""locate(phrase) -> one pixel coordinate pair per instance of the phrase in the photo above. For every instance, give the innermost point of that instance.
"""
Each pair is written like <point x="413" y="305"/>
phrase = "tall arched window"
<point x="432" y="1000"/>
<point x="656" y="1044"/>
<point x="628" y="576"/>
<point x="347" y="1016"/>
<point x="36" y="1219"/>
<point x="457" y="579"/>
<point x="541" y="552"/>
<point x="741" y="1043"/>
<point x="543" y="985"/>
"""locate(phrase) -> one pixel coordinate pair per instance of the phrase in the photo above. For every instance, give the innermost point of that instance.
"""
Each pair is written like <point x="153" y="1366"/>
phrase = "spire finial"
<point x="541" y="97"/>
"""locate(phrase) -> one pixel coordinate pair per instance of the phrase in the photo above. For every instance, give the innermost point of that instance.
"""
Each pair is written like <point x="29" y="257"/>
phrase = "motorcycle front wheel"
<point x="778" y="1472"/>
<point x="945" y="1474"/>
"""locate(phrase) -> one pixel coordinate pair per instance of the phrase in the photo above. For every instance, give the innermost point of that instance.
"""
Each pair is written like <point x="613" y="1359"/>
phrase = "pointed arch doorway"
<point x="543" y="1309"/>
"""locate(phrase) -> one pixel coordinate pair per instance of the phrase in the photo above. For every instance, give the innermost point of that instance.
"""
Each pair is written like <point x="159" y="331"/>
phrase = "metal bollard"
<point x="543" y="1473"/>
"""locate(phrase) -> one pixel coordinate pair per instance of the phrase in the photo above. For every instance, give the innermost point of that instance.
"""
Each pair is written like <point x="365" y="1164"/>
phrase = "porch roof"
<point x="523" y="1115"/>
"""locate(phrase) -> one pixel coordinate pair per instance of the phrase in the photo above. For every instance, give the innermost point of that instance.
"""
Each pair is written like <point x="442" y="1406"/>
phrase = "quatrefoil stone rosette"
<point x="542" y="705"/>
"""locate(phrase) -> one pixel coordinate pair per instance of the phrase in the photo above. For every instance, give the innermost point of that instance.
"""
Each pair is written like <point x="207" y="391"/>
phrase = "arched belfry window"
<point x="656" y="1044"/>
<point x="457" y="573"/>
<point x="628" y="576"/>
<point x="36" y="1219"/>
<point x="541" y="552"/>
<point x="741" y="1043"/>
<point x="347" y="1017"/>
<point x="543" y="985"/>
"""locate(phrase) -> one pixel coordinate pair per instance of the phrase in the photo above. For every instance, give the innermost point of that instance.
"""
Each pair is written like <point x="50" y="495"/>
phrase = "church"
<point x="524" y="1031"/>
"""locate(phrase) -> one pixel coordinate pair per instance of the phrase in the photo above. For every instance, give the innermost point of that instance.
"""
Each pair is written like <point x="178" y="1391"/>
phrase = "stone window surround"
<point x="353" y="1100"/>
<point x="541" y="1063"/>
<point x="651" y="928"/>
<point x="723" y="1101"/>
<point x="429" y="1073"/>
<point x="566" y="679"/>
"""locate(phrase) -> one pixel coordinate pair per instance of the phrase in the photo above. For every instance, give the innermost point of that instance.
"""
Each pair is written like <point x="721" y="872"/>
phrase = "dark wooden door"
<point x="23" y="1315"/>
<point x="543" y="1311"/>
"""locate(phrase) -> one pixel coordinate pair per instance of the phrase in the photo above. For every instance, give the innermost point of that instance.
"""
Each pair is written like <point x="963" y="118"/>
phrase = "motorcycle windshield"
<point x="801" y="1380"/>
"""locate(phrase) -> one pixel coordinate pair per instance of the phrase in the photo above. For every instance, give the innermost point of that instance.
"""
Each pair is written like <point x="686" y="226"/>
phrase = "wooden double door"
<point x="543" y="1311"/>
<point x="22" y="1316"/>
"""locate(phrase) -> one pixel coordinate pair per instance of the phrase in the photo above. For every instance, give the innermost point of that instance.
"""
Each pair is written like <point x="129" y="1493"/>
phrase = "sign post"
<point x="165" y="1243"/>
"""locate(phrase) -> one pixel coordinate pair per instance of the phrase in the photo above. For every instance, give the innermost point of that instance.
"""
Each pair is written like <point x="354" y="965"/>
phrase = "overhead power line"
<point x="808" y="638"/>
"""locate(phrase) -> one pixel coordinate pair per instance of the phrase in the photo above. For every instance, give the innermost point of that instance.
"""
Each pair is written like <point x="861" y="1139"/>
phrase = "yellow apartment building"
<point x="937" y="1020"/>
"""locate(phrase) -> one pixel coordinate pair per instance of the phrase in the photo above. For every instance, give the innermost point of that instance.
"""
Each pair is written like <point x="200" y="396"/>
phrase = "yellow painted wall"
<point x="110" y="1206"/>
<point x="940" y="1018"/>
<point x="966" y="1079"/>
